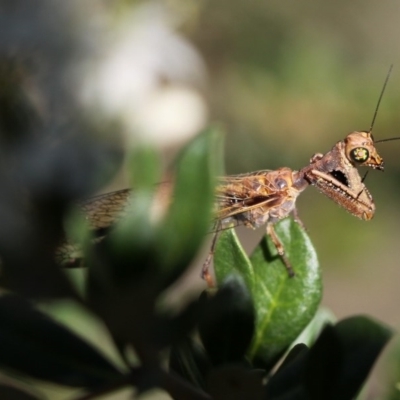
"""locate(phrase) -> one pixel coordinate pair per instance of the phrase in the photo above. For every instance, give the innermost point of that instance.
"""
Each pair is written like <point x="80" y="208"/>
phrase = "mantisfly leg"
<point x="205" y="272"/>
<point x="297" y="219"/>
<point x="279" y="247"/>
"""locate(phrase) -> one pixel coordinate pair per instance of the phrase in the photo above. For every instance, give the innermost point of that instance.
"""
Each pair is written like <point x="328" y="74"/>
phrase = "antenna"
<point x="380" y="98"/>
<point x="376" y="111"/>
<point x="387" y="140"/>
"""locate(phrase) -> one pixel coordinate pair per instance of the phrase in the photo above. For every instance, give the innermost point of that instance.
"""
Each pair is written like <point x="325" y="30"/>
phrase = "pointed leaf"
<point x="144" y="168"/>
<point x="189" y="360"/>
<point x="284" y="306"/>
<point x="288" y="380"/>
<point x="14" y="393"/>
<point x="33" y="344"/>
<point x="297" y="351"/>
<point x="312" y="331"/>
<point x="144" y="257"/>
<point x="139" y="246"/>
<point x="227" y="327"/>
<point x="190" y="213"/>
<point x="342" y="357"/>
<point x="234" y="382"/>
<point x="389" y="371"/>
<point x="129" y="247"/>
<point x="230" y="258"/>
<point x="324" y="365"/>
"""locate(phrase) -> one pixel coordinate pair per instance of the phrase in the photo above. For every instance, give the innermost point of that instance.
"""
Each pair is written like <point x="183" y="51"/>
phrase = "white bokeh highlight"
<point x="147" y="77"/>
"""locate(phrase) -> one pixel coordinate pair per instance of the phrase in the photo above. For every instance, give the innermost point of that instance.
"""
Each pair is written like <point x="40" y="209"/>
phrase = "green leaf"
<point x="342" y="358"/>
<point x="189" y="360"/>
<point x="284" y="306"/>
<point x="33" y="344"/>
<point x="234" y="382"/>
<point x="190" y="213"/>
<point x="335" y="367"/>
<point x="230" y="258"/>
<point x="389" y="371"/>
<point x="123" y="250"/>
<point x="164" y="248"/>
<point x="297" y="351"/>
<point x="141" y="257"/>
<point x="287" y="382"/>
<point x="16" y="393"/>
<point x="135" y="232"/>
<point x="310" y="334"/>
<point x="227" y="326"/>
<point x="144" y="168"/>
<point x="141" y="246"/>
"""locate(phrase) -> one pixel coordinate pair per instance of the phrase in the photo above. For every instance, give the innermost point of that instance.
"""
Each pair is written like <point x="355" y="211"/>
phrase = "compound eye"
<point x="359" y="154"/>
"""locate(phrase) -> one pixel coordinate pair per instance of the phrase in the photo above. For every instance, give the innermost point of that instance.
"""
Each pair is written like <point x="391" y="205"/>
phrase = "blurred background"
<point x="284" y="79"/>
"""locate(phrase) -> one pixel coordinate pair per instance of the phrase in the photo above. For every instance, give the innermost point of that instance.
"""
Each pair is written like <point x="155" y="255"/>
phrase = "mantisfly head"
<point x="360" y="150"/>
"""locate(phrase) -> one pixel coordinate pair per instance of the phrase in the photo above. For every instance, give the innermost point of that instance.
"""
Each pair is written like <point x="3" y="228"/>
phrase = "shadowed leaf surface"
<point x="343" y="356"/>
<point x="33" y="344"/>
<point x="189" y="360"/>
<point x="188" y="219"/>
<point x="234" y="382"/>
<point x="142" y="256"/>
<point x="227" y="326"/>
<point x="288" y="380"/>
<point x="284" y="306"/>
<point x="14" y="393"/>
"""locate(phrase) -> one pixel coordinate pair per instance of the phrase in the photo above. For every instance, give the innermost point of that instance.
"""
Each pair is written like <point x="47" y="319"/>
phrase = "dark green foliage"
<point x="342" y="357"/>
<point x="244" y="327"/>
<point x="9" y="392"/>
<point x="222" y="346"/>
<point x="190" y="360"/>
<point x="335" y="367"/>
<point x="228" y="323"/>
<point x="33" y="344"/>
<point x="284" y="305"/>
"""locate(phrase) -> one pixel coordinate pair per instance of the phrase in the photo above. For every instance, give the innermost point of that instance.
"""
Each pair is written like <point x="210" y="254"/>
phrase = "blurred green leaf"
<point x="227" y="326"/>
<point x="133" y="237"/>
<point x="230" y="258"/>
<point x="335" y="367"/>
<point x="173" y="327"/>
<point x="14" y="393"/>
<point x="297" y="351"/>
<point x="141" y="257"/>
<point x="342" y="358"/>
<point x="33" y="344"/>
<point x="139" y="245"/>
<point x="287" y="382"/>
<point x="284" y="306"/>
<point x="324" y="364"/>
<point x="189" y="360"/>
<point x="310" y="334"/>
<point x="235" y="382"/>
<point x="389" y="371"/>
<point x="144" y="168"/>
<point x="190" y="213"/>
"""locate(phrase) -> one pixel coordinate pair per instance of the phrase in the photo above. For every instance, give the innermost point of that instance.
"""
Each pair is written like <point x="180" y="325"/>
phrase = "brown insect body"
<point x="259" y="197"/>
<point x="267" y="196"/>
